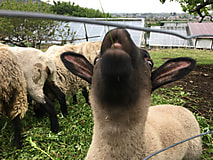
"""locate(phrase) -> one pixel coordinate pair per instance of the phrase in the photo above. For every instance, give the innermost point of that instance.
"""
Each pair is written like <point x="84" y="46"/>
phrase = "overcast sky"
<point x="129" y="6"/>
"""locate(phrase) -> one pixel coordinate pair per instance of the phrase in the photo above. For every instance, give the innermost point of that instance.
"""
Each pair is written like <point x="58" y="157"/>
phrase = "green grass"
<point x="72" y="142"/>
<point x="74" y="138"/>
<point x="159" y="56"/>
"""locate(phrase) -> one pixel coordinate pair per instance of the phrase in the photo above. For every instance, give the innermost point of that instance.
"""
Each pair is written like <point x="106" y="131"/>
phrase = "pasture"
<point x="72" y="142"/>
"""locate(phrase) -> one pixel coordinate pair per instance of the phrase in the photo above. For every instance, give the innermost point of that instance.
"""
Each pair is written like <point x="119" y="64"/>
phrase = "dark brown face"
<point x="122" y="72"/>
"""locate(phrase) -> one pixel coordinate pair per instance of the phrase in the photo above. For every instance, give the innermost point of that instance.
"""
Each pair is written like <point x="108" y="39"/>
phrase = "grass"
<point x="72" y="142"/>
<point x="159" y="56"/>
<point x="74" y="138"/>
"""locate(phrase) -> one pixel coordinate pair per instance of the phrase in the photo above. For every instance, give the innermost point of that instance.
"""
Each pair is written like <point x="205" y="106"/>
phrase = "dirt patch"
<point x="200" y="84"/>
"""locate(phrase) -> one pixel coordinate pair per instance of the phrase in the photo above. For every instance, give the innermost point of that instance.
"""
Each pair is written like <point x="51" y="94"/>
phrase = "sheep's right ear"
<point x="78" y="65"/>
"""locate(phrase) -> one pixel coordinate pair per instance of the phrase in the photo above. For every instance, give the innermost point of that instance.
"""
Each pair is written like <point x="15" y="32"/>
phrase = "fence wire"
<point x="10" y="13"/>
<point x="188" y="139"/>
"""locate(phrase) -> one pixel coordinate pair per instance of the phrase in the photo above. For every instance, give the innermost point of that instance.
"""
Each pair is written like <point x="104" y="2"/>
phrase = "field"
<point x="72" y="142"/>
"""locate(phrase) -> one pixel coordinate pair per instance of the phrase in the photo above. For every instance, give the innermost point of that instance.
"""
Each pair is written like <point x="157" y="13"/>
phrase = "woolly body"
<point x="13" y="93"/>
<point x="136" y="137"/>
<point x="68" y="82"/>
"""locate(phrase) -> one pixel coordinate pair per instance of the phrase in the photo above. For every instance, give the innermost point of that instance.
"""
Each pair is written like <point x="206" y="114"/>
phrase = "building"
<point x="202" y="28"/>
<point x="186" y="29"/>
<point x="90" y="32"/>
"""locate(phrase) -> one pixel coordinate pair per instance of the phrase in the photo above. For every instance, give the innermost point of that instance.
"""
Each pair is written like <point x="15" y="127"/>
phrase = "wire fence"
<point x="9" y="13"/>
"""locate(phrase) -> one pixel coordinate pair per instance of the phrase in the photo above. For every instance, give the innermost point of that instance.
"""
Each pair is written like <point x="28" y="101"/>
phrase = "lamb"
<point x="125" y="126"/>
<point x="39" y="72"/>
<point x="13" y="93"/>
<point x="67" y="82"/>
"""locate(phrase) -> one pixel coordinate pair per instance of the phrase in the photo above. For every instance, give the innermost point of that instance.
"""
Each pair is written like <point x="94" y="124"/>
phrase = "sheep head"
<point x="122" y="71"/>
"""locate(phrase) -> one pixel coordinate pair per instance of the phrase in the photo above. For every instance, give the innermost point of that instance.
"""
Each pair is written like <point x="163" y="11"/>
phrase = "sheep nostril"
<point x="116" y="45"/>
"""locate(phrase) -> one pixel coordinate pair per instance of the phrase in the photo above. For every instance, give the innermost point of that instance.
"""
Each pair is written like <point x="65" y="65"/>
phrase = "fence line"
<point x="188" y="139"/>
<point x="10" y="13"/>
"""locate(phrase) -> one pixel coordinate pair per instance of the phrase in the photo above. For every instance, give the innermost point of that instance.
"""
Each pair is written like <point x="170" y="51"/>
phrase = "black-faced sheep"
<point x="125" y="126"/>
<point x="40" y="72"/>
<point x="68" y="82"/>
<point x="13" y="91"/>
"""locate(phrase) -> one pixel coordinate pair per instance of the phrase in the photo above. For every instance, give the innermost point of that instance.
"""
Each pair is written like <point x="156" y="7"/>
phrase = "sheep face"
<point x="122" y="74"/>
<point x="122" y="71"/>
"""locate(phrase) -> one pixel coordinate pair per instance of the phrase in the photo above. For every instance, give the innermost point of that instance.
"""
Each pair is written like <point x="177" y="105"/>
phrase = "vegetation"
<point x="32" y="32"/>
<point x="66" y="8"/>
<point x="203" y="8"/>
<point x="24" y="31"/>
<point x="159" y="56"/>
<point x="74" y="138"/>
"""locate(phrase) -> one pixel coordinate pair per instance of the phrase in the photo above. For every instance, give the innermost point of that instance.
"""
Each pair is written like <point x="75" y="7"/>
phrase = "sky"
<point x="129" y="6"/>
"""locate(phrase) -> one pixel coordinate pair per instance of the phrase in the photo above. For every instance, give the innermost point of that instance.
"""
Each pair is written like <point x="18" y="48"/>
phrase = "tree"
<point x="25" y="31"/>
<point x="66" y="8"/>
<point x="196" y="7"/>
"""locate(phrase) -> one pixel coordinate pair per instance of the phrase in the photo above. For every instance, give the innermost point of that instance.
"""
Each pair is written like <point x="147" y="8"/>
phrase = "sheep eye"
<point x="96" y="60"/>
<point x="149" y="61"/>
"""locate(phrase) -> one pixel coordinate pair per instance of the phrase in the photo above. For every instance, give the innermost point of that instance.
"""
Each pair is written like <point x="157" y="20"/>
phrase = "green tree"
<point x="66" y="8"/>
<point x="202" y="8"/>
<point x="25" y="31"/>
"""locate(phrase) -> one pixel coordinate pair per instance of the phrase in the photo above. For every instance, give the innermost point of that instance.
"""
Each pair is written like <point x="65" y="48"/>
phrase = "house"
<point x="185" y="29"/>
<point x="202" y="28"/>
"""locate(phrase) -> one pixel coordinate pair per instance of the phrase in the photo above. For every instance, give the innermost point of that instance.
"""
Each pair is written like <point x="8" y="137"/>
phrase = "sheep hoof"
<point x="18" y="145"/>
<point x="65" y="114"/>
<point x="55" y="128"/>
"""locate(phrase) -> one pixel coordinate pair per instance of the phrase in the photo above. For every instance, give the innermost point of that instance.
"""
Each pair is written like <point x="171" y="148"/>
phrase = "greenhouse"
<point x="97" y="32"/>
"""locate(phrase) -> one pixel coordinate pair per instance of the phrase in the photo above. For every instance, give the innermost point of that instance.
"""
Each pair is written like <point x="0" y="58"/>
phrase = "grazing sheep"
<point x="39" y="72"/>
<point x="67" y="82"/>
<point x="125" y="126"/>
<point x="13" y="92"/>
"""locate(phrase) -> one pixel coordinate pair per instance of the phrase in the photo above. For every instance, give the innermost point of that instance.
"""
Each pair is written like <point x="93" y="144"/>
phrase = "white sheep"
<point x="13" y="92"/>
<point x="40" y="73"/>
<point x="67" y="82"/>
<point x="125" y="126"/>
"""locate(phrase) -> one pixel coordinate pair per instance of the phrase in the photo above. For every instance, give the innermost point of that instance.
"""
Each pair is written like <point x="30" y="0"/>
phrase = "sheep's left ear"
<point x="78" y="65"/>
<point x="172" y="70"/>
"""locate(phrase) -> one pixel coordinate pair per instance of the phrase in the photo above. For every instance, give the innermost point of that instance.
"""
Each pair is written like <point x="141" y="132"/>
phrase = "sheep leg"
<point x="17" y="131"/>
<point x="74" y="99"/>
<point x="86" y="95"/>
<point x="38" y="110"/>
<point x="50" y="88"/>
<point x="61" y="98"/>
<point x="50" y="108"/>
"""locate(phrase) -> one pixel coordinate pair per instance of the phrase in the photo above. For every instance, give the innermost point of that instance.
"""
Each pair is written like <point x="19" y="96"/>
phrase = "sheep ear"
<point x="78" y="65"/>
<point x="172" y="70"/>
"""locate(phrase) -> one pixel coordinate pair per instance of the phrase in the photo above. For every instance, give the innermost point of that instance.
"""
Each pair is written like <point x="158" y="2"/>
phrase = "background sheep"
<point x="125" y="127"/>
<point x="68" y="82"/>
<point x="13" y="93"/>
<point x="39" y="72"/>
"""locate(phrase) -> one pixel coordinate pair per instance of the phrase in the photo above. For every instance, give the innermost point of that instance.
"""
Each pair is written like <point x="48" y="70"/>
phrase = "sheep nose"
<point x="116" y="45"/>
